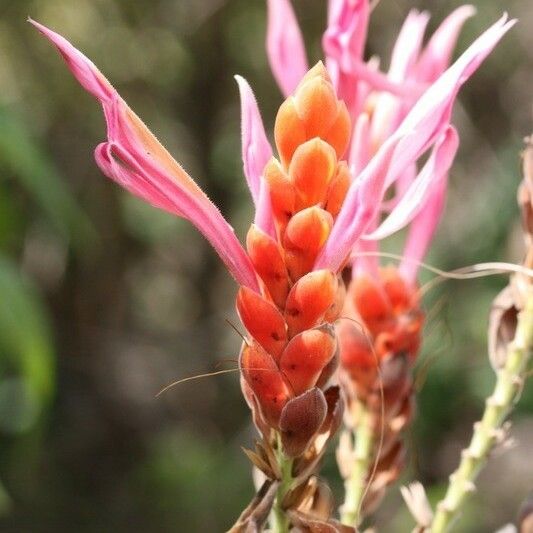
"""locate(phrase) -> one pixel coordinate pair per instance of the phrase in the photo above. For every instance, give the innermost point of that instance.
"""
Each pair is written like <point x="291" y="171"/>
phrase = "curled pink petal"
<point x="360" y="208"/>
<point x="285" y="46"/>
<point x="135" y="159"/>
<point x="343" y="43"/>
<point x="437" y="54"/>
<point x="422" y="187"/>
<point x="256" y="151"/>
<point x="388" y="109"/>
<point x="431" y="114"/>
<point x="421" y="231"/>
<point x="408" y="45"/>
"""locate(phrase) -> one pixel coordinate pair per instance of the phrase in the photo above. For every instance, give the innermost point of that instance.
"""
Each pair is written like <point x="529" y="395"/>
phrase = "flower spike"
<point x="134" y="158"/>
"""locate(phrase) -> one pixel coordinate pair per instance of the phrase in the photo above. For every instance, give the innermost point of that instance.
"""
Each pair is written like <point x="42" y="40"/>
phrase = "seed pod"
<point x="300" y="420"/>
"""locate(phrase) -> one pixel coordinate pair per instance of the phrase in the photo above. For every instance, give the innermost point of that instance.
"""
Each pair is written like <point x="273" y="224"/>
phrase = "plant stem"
<point x="279" y="519"/>
<point x="509" y="380"/>
<point x="355" y="484"/>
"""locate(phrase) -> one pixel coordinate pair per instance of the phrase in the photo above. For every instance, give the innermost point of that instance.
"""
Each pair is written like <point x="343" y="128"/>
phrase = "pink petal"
<point x="256" y="151"/>
<point x="437" y="54"/>
<point x="431" y="114"/>
<point x="381" y="82"/>
<point x="365" y="257"/>
<point x="135" y="159"/>
<point x="345" y="36"/>
<point x="422" y="187"/>
<point x="343" y="43"/>
<point x="408" y="45"/>
<point x="285" y="46"/>
<point x="360" y="145"/>
<point x="360" y="208"/>
<point x="388" y="108"/>
<point x="421" y="231"/>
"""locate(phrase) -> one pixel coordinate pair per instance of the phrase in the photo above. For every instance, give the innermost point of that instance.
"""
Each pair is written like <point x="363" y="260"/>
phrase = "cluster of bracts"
<point x="292" y="352"/>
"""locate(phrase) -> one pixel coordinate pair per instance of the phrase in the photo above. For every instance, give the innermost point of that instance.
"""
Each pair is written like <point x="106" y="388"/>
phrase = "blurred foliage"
<point x="103" y="300"/>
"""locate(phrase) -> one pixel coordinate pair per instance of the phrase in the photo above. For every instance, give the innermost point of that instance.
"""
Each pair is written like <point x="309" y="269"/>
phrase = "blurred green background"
<point x="103" y="300"/>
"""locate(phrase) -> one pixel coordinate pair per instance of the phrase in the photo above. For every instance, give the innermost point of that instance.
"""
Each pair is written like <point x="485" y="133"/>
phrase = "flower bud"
<point x="316" y="102"/>
<point x="282" y="194"/>
<point x="338" y="135"/>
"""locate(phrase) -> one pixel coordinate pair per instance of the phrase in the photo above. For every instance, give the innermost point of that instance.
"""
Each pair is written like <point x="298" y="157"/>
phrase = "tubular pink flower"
<point x="422" y="187"/>
<point x="134" y="158"/>
<point x="360" y="207"/>
<point x="424" y="124"/>
<point x="256" y="151"/>
<point x="285" y="46"/>
<point x="431" y="113"/>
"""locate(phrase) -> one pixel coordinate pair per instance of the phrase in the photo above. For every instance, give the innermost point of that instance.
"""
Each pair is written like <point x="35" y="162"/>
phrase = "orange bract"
<point x="266" y="381"/>
<point x="306" y="356"/>
<point x="311" y="169"/>
<point x="267" y="260"/>
<point x="309" y="299"/>
<point x="305" y="235"/>
<point x="263" y="321"/>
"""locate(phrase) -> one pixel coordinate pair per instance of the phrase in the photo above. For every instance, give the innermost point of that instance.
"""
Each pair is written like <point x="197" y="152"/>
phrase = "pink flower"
<point x="396" y="116"/>
<point x="135" y="159"/>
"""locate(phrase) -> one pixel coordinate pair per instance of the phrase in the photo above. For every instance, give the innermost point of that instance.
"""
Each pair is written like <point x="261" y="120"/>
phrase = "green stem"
<point x="279" y="519"/>
<point x="509" y="380"/>
<point x="355" y="484"/>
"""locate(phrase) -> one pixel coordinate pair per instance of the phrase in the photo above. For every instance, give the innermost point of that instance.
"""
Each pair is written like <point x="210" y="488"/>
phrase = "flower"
<point x="312" y="208"/>
<point x="396" y="116"/>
